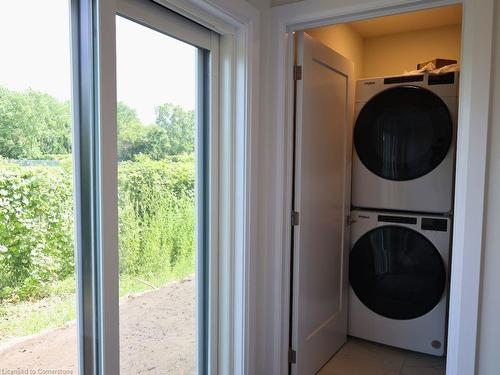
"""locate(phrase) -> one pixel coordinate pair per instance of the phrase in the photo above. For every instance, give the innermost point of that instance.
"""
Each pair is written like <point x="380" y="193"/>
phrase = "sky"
<point x="152" y="68"/>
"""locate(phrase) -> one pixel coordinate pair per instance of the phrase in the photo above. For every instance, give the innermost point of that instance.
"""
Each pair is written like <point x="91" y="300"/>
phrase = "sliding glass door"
<point x="167" y="83"/>
<point x="164" y="88"/>
<point x="108" y="179"/>
<point x="161" y="204"/>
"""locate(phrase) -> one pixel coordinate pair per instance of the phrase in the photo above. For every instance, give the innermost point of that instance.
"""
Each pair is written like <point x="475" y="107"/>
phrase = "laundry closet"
<point x="375" y="107"/>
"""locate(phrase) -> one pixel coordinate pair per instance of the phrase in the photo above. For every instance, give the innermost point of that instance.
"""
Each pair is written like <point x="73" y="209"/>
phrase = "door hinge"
<point x="295" y="218"/>
<point x="292" y="356"/>
<point x="297" y="72"/>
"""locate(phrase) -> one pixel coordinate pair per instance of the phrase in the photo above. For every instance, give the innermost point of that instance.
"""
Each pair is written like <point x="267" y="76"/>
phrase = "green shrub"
<point x="156" y="215"/>
<point x="156" y="223"/>
<point x="36" y="229"/>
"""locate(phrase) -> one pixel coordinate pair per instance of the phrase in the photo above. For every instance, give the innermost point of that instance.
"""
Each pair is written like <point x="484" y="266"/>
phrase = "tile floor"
<point x="359" y="357"/>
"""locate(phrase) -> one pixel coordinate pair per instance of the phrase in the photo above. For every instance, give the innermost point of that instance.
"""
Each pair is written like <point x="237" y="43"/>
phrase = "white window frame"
<point x="159" y="18"/>
<point x="475" y="78"/>
<point x="237" y="24"/>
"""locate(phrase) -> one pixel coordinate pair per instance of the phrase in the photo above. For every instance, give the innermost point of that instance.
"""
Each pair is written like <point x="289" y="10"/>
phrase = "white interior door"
<point x="324" y="107"/>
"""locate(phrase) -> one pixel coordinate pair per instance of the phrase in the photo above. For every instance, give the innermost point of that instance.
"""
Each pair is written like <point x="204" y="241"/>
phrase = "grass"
<point x="138" y="284"/>
<point x="27" y="318"/>
<point x="31" y="317"/>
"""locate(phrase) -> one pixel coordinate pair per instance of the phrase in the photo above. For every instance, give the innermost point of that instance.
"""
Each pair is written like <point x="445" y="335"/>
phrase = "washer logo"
<point x="369" y="83"/>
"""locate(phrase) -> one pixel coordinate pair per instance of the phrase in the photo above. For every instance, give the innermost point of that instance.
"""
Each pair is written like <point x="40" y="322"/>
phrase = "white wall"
<point x="489" y="326"/>
<point x="260" y="313"/>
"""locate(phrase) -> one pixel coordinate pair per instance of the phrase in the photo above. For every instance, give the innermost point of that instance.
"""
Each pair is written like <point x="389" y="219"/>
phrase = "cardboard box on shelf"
<point x="439" y="63"/>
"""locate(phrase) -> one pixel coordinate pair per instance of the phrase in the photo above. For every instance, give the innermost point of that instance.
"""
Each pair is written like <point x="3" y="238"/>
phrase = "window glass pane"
<point x="156" y="169"/>
<point x="37" y="268"/>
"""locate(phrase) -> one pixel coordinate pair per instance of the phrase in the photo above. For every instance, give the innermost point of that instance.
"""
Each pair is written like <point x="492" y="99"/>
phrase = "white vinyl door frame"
<point x="94" y="134"/>
<point x="477" y="36"/>
<point x="235" y="151"/>
<point x="157" y="17"/>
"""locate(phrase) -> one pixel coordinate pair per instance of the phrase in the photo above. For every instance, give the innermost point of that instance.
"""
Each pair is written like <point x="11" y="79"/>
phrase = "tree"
<point x="156" y="143"/>
<point x="33" y="125"/>
<point x="126" y="117"/>
<point x="130" y="131"/>
<point x="136" y="139"/>
<point x="179" y="126"/>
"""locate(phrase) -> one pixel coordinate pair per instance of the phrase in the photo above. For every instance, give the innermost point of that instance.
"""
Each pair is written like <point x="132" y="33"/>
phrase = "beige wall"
<point x="489" y="326"/>
<point x="393" y="54"/>
<point x="390" y="54"/>
<point x="344" y="40"/>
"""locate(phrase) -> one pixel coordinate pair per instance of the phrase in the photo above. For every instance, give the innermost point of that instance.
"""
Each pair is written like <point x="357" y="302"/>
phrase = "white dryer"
<point x="398" y="276"/>
<point x="404" y="143"/>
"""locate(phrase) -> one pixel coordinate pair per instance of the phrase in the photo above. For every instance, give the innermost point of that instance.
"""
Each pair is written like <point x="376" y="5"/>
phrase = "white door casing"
<point x="324" y="109"/>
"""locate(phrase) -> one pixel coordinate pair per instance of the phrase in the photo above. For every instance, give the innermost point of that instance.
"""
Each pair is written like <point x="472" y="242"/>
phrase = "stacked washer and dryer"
<point x="402" y="198"/>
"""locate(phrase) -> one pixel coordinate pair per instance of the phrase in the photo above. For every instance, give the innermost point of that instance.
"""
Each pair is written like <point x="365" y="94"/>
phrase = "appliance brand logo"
<point x="369" y="83"/>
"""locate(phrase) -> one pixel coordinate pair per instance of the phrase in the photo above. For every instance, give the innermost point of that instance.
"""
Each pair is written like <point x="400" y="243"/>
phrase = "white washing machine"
<point x="404" y="143"/>
<point x="398" y="277"/>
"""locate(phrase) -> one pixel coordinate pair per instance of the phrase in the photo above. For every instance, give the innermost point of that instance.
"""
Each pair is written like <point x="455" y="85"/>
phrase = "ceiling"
<point x="420" y="20"/>
<point x="282" y="2"/>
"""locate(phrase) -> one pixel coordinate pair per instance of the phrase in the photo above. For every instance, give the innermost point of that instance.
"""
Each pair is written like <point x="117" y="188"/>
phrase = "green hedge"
<point x="156" y="222"/>
<point x="156" y="217"/>
<point x="36" y="228"/>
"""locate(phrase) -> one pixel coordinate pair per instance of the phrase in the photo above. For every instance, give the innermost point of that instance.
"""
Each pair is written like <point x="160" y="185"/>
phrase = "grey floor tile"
<point x="360" y="357"/>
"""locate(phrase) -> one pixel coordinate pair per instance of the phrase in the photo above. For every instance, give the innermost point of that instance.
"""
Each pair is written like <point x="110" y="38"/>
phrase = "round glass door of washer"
<point x="397" y="272"/>
<point x="403" y="133"/>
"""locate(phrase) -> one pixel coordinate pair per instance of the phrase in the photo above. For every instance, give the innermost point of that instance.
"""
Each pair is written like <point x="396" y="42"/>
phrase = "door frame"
<point x="477" y="38"/>
<point x="232" y="234"/>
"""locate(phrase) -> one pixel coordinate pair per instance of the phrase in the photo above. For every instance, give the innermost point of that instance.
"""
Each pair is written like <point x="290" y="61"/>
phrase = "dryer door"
<point x="397" y="272"/>
<point x="403" y="133"/>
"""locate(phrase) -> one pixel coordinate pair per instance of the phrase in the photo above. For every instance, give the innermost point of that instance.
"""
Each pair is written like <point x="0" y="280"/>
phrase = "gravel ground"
<point x="157" y="337"/>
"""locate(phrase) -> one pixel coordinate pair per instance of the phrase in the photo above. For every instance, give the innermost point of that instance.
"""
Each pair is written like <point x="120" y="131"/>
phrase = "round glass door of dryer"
<point x="397" y="272"/>
<point x="403" y="133"/>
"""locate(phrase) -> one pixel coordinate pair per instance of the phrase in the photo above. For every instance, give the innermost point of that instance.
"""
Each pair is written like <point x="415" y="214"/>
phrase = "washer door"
<point x="397" y="272"/>
<point x="403" y="133"/>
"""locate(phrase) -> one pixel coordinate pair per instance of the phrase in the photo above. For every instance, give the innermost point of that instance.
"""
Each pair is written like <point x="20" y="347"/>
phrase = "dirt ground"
<point x="157" y="337"/>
